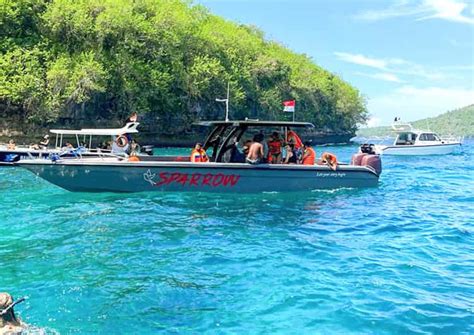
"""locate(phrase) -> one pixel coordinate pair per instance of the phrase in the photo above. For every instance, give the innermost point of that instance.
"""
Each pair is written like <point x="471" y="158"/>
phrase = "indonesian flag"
<point x="289" y="106"/>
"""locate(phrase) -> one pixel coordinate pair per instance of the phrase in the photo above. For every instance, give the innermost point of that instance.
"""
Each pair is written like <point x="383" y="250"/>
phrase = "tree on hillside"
<point x="167" y="59"/>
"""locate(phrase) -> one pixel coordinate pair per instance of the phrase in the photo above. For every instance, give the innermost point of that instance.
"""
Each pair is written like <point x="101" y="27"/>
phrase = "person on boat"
<point x="309" y="155"/>
<point x="11" y="145"/>
<point x="134" y="148"/>
<point x="255" y="154"/>
<point x="9" y="323"/>
<point x="328" y="159"/>
<point x="44" y="143"/>
<point x="291" y="155"/>
<point x="68" y="146"/>
<point x="292" y="137"/>
<point x="198" y="155"/>
<point x="132" y="118"/>
<point x="274" y="149"/>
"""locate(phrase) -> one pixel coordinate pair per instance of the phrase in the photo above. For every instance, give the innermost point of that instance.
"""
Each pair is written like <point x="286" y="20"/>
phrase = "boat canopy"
<point x="256" y="123"/>
<point x="224" y="136"/>
<point x="129" y="128"/>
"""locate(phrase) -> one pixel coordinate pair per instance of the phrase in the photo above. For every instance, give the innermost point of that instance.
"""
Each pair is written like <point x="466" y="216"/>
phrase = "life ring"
<point x="329" y="159"/>
<point x="133" y="159"/>
<point x="121" y="141"/>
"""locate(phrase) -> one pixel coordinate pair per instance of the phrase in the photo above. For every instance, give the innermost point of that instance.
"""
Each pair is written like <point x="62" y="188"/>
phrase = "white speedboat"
<point x="83" y="145"/>
<point x="410" y="141"/>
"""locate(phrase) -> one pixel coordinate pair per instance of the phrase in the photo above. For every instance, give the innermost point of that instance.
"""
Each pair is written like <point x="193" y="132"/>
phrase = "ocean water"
<point x="395" y="259"/>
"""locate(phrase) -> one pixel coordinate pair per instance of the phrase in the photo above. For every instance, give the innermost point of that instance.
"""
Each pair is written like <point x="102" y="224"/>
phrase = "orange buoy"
<point x="133" y="159"/>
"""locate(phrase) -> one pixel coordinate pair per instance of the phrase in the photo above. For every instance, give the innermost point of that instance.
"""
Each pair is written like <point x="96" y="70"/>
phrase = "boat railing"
<point x="401" y="126"/>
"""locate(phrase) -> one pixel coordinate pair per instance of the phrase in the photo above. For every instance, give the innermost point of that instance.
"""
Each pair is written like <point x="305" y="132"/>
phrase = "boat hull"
<point x="417" y="150"/>
<point x="191" y="177"/>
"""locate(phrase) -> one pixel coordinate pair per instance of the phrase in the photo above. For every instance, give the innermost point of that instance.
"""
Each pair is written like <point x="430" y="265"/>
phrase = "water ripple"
<point x="396" y="259"/>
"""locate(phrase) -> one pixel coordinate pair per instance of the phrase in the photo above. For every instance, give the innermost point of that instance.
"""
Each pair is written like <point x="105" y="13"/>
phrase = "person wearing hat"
<point x="309" y="155"/>
<point x="9" y="323"/>
<point x="198" y="155"/>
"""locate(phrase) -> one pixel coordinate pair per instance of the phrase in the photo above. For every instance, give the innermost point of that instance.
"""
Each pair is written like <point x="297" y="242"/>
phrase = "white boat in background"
<point x="83" y="140"/>
<point x="411" y="141"/>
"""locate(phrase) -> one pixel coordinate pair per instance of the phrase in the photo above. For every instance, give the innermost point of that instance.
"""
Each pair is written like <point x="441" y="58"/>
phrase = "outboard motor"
<point x="374" y="161"/>
<point x="147" y="149"/>
<point x="357" y="158"/>
<point x="367" y="157"/>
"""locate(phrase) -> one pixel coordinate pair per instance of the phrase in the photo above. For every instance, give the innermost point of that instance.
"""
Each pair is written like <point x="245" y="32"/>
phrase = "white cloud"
<point x="391" y="66"/>
<point x="412" y="103"/>
<point x="362" y="60"/>
<point x="450" y="10"/>
<point x="382" y="76"/>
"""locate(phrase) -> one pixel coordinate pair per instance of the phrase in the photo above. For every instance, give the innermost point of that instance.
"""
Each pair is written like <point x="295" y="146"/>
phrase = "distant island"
<point x="73" y="64"/>
<point x="459" y="122"/>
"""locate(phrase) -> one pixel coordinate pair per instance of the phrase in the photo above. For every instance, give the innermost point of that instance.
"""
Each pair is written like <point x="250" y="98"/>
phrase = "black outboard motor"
<point x="147" y="149"/>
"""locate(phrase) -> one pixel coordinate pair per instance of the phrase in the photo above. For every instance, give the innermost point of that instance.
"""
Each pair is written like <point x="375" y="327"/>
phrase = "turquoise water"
<point x="396" y="259"/>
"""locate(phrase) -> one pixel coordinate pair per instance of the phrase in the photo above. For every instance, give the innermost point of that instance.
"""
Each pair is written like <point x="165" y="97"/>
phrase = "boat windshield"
<point x="429" y="137"/>
<point x="406" y="139"/>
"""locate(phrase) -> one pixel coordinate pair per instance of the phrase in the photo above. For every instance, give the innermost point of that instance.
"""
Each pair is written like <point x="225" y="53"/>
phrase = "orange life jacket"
<point x="274" y="147"/>
<point x="199" y="156"/>
<point x="293" y="137"/>
<point x="309" y="156"/>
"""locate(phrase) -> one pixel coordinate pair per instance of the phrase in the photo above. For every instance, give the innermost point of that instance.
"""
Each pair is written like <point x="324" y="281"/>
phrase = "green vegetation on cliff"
<point x="458" y="122"/>
<point x="91" y="60"/>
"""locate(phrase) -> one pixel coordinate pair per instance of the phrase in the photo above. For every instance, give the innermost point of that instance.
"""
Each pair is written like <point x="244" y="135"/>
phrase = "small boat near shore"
<point x="220" y="174"/>
<point x="411" y="141"/>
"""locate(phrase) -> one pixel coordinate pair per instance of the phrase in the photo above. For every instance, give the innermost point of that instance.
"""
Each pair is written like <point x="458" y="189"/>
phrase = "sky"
<point x="409" y="58"/>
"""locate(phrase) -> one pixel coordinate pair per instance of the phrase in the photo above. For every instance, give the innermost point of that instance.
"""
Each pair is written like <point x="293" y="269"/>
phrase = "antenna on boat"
<point x="226" y="103"/>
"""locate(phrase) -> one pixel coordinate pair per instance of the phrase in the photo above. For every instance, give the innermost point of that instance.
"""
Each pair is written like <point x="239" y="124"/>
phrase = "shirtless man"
<point x="255" y="154"/>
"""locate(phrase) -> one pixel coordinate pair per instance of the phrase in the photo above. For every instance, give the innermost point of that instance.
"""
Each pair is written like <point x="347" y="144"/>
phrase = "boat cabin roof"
<point x="256" y="123"/>
<point x="129" y="128"/>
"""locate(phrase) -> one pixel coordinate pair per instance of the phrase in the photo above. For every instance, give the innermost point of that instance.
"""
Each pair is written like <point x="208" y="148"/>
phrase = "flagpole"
<point x="226" y="102"/>
<point x="294" y="111"/>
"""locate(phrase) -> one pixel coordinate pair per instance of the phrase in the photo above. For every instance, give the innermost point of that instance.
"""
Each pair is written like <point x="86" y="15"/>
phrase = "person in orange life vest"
<point x="309" y="155"/>
<point x="274" y="149"/>
<point x="292" y="137"/>
<point x="198" y="155"/>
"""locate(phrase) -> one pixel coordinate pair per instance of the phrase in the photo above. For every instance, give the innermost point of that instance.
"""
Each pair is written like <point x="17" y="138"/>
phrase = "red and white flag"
<point x="289" y="106"/>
